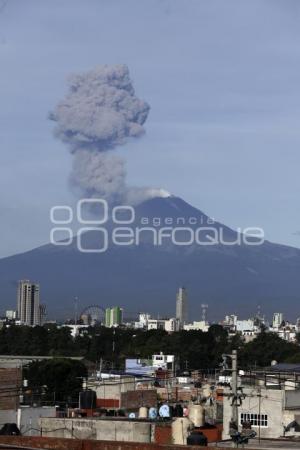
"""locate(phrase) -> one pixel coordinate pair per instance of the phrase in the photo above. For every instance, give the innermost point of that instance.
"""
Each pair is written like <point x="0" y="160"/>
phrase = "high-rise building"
<point x="43" y="313"/>
<point x="28" y="303"/>
<point x="182" y="306"/>
<point x="277" y="320"/>
<point x="113" y="316"/>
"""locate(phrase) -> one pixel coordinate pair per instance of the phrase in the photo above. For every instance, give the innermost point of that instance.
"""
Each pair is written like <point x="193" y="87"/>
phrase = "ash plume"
<point x="99" y="113"/>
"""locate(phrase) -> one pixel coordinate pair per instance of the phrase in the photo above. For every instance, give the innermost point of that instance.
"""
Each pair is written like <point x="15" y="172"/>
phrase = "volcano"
<point x="220" y="268"/>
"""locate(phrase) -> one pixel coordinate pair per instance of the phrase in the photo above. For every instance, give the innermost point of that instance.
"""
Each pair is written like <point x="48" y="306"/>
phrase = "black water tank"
<point x="87" y="400"/>
<point x="197" y="438"/>
<point x="178" y="411"/>
<point x="10" y="429"/>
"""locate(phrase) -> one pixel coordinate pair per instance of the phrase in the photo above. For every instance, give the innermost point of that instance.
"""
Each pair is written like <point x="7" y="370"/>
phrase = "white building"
<point x="287" y="333"/>
<point x="245" y="325"/>
<point x="277" y="320"/>
<point x="143" y="321"/>
<point x="149" y="367"/>
<point x="249" y="336"/>
<point x="156" y="324"/>
<point x="169" y="325"/>
<point x="230" y="321"/>
<point x="201" y="325"/>
<point x="182" y="306"/>
<point x="172" y="325"/>
<point x="11" y="315"/>
<point x="76" y="330"/>
<point x="162" y="361"/>
<point x="268" y="410"/>
<point x="28" y="303"/>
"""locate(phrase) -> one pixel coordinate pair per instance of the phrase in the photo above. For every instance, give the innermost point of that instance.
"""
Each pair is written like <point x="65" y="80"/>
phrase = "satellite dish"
<point x="131" y="416"/>
<point x="152" y="413"/>
<point x="164" y="411"/>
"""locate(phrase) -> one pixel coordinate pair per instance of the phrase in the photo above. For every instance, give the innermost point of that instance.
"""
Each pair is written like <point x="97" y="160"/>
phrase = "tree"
<point x="59" y="379"/>
<point x="266" y="348"/>
<point x="298" y="338"/>
<point x="294" y="359"/>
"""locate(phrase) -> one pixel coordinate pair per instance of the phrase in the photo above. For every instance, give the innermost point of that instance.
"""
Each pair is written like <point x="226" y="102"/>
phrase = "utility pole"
<point x="259" y="413"/>
<point x="100" y="368"/>
<point x="114" y="343"/>
<point x="234" y="381"/>
<point x="236" y="397"/>
<point x="113" y="349"/>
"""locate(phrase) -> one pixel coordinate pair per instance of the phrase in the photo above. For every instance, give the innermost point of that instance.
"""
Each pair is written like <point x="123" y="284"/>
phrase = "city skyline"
<point x="29" y="311"/>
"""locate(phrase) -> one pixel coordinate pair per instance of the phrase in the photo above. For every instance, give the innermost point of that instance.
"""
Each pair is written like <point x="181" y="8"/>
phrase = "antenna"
<point x="204" y="310"/>
<point x="258" y="311"/>
<point x="75" y="310"/>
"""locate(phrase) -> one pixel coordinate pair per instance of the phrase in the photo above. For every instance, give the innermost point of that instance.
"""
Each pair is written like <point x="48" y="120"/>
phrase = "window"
<point x="256" y="420"/>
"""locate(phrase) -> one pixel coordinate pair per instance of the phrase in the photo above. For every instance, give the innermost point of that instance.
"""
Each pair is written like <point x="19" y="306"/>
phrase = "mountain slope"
<point x="145" y="277"/>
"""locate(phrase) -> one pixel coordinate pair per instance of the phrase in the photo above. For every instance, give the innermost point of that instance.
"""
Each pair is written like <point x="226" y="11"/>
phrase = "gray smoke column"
<point x="99" y="113"/>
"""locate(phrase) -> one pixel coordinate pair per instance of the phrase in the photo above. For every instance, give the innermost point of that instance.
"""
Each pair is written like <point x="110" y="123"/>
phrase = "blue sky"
<point x="222" y="79"/>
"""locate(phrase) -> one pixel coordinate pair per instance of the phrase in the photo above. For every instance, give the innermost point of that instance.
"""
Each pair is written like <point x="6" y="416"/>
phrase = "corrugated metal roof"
<point x="284" y="367"/>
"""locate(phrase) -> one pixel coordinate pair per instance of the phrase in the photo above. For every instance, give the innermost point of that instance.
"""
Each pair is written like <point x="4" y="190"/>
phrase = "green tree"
<point x="59" y="379"/>
<point x="266" y="348"/>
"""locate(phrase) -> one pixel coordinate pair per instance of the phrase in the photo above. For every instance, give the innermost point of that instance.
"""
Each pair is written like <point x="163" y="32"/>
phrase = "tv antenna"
<point x="76" y="301"/>
<point x="204" y="308"/>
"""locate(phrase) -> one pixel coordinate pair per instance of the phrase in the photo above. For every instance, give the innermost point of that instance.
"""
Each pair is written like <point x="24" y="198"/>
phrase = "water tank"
<point x="143" y="412"/>
<point x="153" y="413"/>
<point x="197" y="438"/>
<point x="180" y="430"/>
<point x="164" y="411"/>
<point x="10" y="429"/>
<point x="87" y="400"/>
<point x="178" y="411"/>
<point x="196" y="415"/>
<point x="206" y="390"/>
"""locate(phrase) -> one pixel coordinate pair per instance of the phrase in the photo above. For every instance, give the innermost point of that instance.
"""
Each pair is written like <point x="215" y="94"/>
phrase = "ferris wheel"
<point x="92" y="315"/>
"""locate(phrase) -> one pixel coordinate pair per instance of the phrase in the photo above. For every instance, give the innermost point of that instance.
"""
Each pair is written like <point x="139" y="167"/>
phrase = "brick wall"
<point x="77" y="444"/>
<point x="10" y="383"/>
<point x="163" y="433"/>
<point x="108" y="403"/>
<point x="178" y="394"/>
<point x="135" y="399"/>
